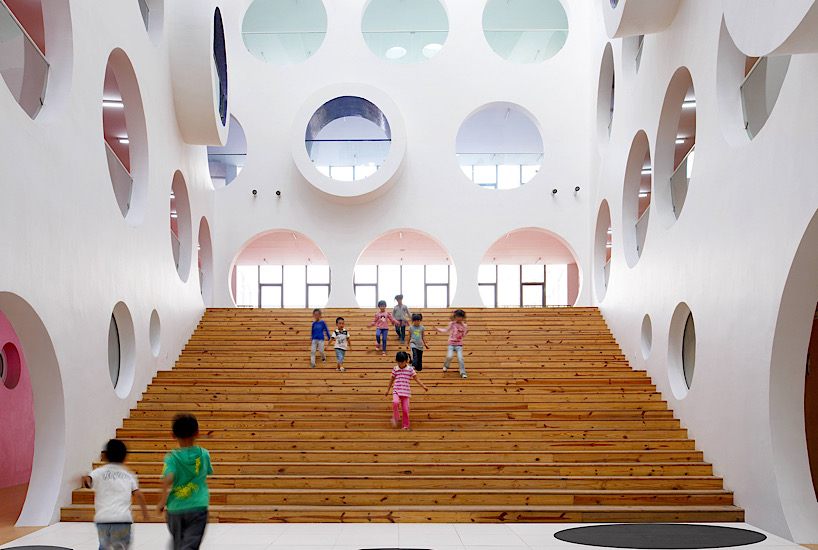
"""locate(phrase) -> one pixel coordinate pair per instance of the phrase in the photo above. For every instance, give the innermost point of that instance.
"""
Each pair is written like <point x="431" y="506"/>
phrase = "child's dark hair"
<point x="316" y="310"/>
<point x="185" y="426"/>
<point x="399" y="297"/>
<point x="401" y="357"/>
<point x="382" y="303"/>
<point x="115" y="451"/>
<point x="417" y="317"/>
<point x="338" y="319"/>
<point x="458" y="313"/>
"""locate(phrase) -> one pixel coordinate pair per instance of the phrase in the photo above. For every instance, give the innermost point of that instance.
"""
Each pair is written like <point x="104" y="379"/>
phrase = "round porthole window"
<point x="681" y="351"/>
<point x="155" y="333"/>
<point x="647" y="336"/>
<point x="522" y="31"/>
<point x="405" y="31"/>
<point x="121" y="350"/>
<point x="10" y="365"/>
<point x="284" y="32"/>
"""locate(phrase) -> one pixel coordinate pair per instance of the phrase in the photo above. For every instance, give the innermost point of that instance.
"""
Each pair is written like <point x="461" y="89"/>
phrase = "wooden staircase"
<point x="551" y="425"/>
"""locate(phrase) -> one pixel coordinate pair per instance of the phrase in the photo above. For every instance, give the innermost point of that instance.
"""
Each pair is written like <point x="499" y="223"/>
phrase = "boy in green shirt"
<point x="184" y="486"/>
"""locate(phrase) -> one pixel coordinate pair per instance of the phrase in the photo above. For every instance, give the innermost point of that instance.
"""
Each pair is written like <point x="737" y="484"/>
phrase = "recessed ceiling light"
<point x="395" y="52"/>
<point x="124" y="141"/>
<point x="173" y="215"/>
<point x="610" y="231"/>
<point x="113" y="104"/>
<point x="431" y="50"/>
<point x="679" y="141"/>
<point x="646" y="171"/>
<point x="643" y="195"/>
<point x="689" y="104"/>
<point x="608" y="245"/>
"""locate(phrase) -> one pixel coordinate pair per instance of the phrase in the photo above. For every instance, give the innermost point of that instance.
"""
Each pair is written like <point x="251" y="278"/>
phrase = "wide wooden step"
<point x="552" y="424"/>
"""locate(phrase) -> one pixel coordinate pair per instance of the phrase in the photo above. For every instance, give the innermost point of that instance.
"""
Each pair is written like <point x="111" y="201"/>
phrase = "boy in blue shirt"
<point x="319" y="331"/>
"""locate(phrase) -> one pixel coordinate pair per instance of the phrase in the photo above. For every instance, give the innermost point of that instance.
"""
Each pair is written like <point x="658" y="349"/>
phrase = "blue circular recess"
<point x="650" y="536"/>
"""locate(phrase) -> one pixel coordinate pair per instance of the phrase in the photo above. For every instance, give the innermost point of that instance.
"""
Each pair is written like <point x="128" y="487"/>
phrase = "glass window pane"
<point x="508" y="176"/>
<point x="532" y="296"/>
<point x="487" y="274"/>
<point x="317" y="296"/>
<point x="533" y="273"/>
<point x="271" y="296"/>
<point x="485" y="175"/>
<point x="413" y="286"/>
<point x="295" y="286"/>
<point x="342" y="173"/>
<point x="508" y="285"/>
<point x="318" y="274"/>
<point x="468" y="171"/>
<point x="436" y="296"/>
<point x="366" y="274"/>
<point x="247" y="286"/>
<point x="488" y="294"/>
<point x="437" y="274"/>
<point x="365" y="171"/>
<point x="556" y="285"/>
<point x="388" y="283"/>
<point x="529" y="172"/>
<point x="270" y="274"/>
<point x="366" y="296"/>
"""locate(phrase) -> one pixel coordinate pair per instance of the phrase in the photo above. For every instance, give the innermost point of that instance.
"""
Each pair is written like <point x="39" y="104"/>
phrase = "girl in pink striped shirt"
<point x="402" y="374"/>
<point x="457" y="330"/>
<point x="382" y="320"/>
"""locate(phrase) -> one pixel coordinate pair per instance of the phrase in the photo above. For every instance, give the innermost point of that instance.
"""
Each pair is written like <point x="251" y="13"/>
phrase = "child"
<point x="457" y="330"/>
<point x="342" y="342"/>
<point x="402" y="314"/>
<point x="319" y="330"/>
<point x="113" y="485"/>
<point x="417" y="341"/>
<point x="382" y="319"/>
<point x="184" y="486"/>
<point x="402" y="374"/>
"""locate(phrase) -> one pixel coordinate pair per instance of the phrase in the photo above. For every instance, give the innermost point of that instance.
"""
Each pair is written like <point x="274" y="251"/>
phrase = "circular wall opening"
<point x="529" y="267"/>
<point x="348" y="138"/>
<point x="525" y="31"/>
<point x="155" y="333"/>
<point x="647" y="336"/>
<point x="632" y="48"/>
<point x="226" y="163"/>
<point x="125" y="137"/>
<point x="284" y="32"/>
<point x="763" y="79"/>
<point x="603" y="241"/>
<point x="280" y="269"/>
<point x="636" y="198"/>
<point x="180" y="226"/>
<point x="681" y="351"/>
<point x="220" y="62"/>
<point x="408" y="262"/>
<point x="205" y="261"/>
<point x="499" y="146"/>
<point x="405" y="31"/>
<point x="11" y="365"/>
<point x="121" y="350"/>
<point x="153" y="16"/>
<point x="675" y="147"/>
<point x="605" y="96"/>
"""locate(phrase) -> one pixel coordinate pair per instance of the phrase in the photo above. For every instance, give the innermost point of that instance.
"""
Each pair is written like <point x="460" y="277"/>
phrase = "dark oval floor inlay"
<point x="40" y="547"/>
<point x="650" y="536"/>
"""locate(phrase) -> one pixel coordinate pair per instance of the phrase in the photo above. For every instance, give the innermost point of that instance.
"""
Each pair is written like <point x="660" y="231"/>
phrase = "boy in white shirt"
<point x="113" y="485"/>
<point x="342" y="342"/>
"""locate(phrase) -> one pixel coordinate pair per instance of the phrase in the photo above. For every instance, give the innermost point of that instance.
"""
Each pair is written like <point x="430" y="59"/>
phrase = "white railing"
<point x="680" y="180"/>
<point x="145" y="10"/>
<point x="121" y="180"/>
<point x="642" y="230"/>
<point x="607" y="272"/>
<point x="176" y="245"/>
<point x="23" y="65"/>
<point x="201" y="281"/>
<point x="639" y="51"/>
<point x="760" y="89"/>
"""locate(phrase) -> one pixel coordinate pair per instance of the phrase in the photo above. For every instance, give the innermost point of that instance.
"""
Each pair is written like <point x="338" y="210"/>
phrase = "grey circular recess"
<point x="660" y="535"/>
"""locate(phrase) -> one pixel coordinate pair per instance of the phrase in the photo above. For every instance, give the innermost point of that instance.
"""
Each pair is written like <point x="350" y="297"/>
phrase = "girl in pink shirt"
<point x="402" y="374"/>
<point x="457" y="330"/>
<point x="382" y="320"/>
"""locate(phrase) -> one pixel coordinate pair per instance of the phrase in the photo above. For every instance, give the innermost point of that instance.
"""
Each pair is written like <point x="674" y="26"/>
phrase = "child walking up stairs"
<point x="552" y="424"/>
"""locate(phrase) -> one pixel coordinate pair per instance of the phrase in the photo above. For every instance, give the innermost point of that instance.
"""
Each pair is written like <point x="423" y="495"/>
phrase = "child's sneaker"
<point x="445" y="368"/>
<point x="378" y="348"/>
<point x="340" y="369"/>
<point x="312" y="366"/>
<point x="394" y="422"/>
<point x="463" y="375"/>
<point x="384" y="353"/>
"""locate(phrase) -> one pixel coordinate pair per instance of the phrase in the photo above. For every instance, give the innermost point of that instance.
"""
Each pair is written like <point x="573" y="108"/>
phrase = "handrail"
<point x="25" y="33"/>
<point x="641" y="229"/>
<point x="749" y="73"/>
<point x="683" y="162"/>
<point x="111" y="151"/>
<point x="606" y="270"/>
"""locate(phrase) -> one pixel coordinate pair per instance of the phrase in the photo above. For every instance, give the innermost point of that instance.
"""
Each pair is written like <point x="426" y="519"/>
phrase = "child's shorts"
<point x="114" y="535"/>
<point x="339" y="354"/>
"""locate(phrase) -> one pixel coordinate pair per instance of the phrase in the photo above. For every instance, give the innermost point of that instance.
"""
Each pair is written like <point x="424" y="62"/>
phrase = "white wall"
<point x="68" y="256"/>
<point x="727" y="257"/>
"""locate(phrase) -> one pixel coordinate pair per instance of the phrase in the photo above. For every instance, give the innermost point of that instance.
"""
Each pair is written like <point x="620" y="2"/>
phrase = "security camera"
<point x="255" y="192"/>
<point x="278" y="193"/>
<point x="553" y="191"/>
<point x="576" y="189"/>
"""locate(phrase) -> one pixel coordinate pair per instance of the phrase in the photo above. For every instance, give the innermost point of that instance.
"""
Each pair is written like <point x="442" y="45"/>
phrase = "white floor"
<point x="349" y="536"/>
